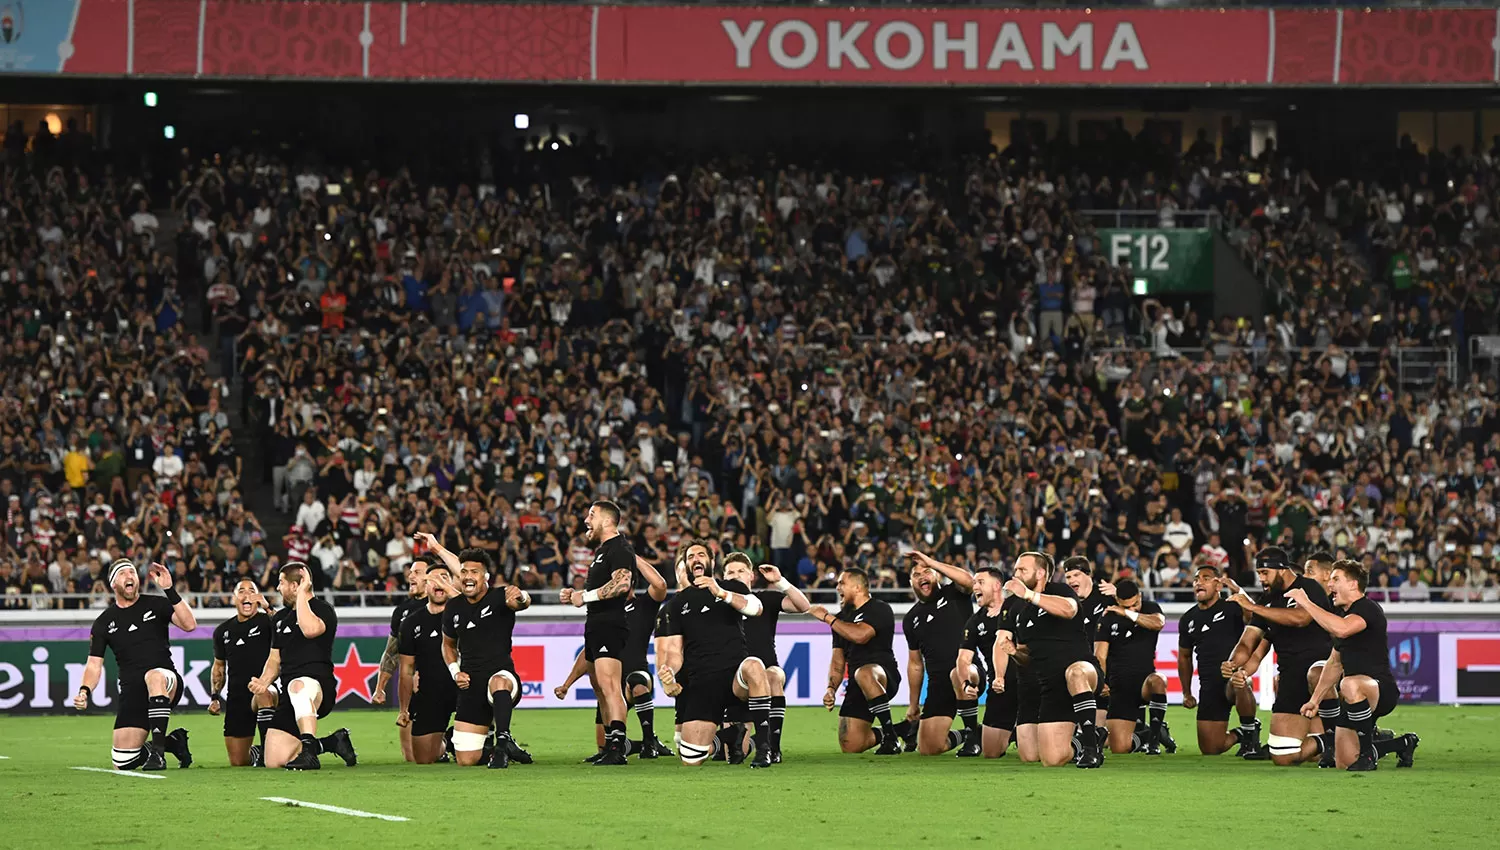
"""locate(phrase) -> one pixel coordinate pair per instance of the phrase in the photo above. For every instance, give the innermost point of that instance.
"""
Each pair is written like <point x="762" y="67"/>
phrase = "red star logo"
<point x="354" y="675"/>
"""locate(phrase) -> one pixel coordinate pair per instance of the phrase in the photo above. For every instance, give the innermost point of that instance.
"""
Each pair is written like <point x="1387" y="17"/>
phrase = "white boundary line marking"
<point x="129" y="773"/>
<point x="4" y="757"/>
<point x="338" y="810"/>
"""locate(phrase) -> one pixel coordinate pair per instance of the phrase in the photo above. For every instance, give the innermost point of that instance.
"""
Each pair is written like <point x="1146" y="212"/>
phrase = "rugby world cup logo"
<point x="12" y="18"/>
<point x="1406" y="657"/>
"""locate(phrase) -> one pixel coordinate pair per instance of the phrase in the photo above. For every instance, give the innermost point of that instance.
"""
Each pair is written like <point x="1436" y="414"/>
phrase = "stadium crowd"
<point x="812" y="366"/>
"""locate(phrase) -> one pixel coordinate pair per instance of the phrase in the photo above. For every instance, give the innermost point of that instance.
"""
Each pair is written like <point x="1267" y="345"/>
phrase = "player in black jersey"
<point x="390" y="659"/>
<point x="302" y="658"/>
<point x="478" y="624"/>
<point x="135" y="628"/>
<point x="1067" y="676"/>
<point x="241" y="644"/>
<point x="427" y="693"/>
<point x="606" y="627"/>
<point x="1359" y="669"/>
<point x="1125" y="645"/>
<point x="703" y="632"/>
<point x="640" y="687"/>
<point x="975" y="671"/>
<point x="1211" y="629"/>
<point x="776" y="595"/>
<point x="862" y="633"/>
<point x="934" y="629"/>
<point x="1095" y="594"/>
<point x="1298" y="642"/>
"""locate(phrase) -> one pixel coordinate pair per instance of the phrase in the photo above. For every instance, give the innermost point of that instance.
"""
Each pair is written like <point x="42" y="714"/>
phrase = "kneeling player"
<point x="934" y="628"/>
<point x="302" y="658"/>
<point x="242" y="643"/>
<point x="428" y="695"/>
<point x="776" y="595"/>
<point x="703" y="632"/>
<point x="640" y="689"/>
<point x="478" y="628"/>
<point x="135" y="629"/>
<point x="1067" y="676"/>
<point x="1125" y="646"/>
<point x="1212" y="629"/>
<point x="862" y="634"/>
<point x="977" y="670"/>
<point x="1359" y="669"/>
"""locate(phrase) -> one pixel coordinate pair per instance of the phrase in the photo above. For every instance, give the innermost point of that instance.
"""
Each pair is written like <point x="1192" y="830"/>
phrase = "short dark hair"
<point x="992" y="572"/>
<point x="479" y="556"/>
<point x="292" y="570"/>
<point x="439" y="565"/>
<point x="609" y="508"/>
<point x="1322" y="556"/>
<point x="1077" y="563"/>
<point x="1355" y="570"/>
<point x="737" y="558"/>
<point x="1213" y="568"/>
<point x="1127" y="589"/>
<point x="858" y="575"/>
<point x="242" y="579"/>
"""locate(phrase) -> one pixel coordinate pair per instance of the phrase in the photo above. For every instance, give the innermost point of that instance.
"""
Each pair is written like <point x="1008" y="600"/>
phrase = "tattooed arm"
<point x="618" y="585"/>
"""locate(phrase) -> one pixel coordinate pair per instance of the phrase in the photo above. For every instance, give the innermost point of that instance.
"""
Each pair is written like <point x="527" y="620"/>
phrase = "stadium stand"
<point x="817" y="366"/>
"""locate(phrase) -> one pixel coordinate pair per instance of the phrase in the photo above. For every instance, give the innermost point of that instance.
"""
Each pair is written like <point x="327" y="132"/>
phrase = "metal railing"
<point x="1175" y="220"/>
<point x="1484" y="356"/>
<point x="1417" y="369"/>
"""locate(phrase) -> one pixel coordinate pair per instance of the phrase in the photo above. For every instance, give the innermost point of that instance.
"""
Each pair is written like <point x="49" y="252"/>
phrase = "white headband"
<point x="118" y="567"/>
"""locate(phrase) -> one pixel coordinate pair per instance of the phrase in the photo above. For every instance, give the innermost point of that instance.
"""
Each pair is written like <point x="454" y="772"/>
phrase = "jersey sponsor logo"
<point x="701" y="610"/>
<point x="240" y="642"/>
<point x="286" y="630"/>
<point x="150" y="615"/>
<point x="433" y="634"/>
<point x="981" y="631"/>
<point x="485" y="612"/>
<point x="113" y="627"/>
<point x="471" y="624"/>
<point x="132" y="627"/>
<point x="929" y="619"/>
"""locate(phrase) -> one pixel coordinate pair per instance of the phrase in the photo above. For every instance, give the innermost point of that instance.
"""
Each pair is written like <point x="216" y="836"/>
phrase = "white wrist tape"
<point x="1134" y="616"/>
<point x="590" y="596"/>
<point x="782" y="586"/>
<point x="453" y="669"/>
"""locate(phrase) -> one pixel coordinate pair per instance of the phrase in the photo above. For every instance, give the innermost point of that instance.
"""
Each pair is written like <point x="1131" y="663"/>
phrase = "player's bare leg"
<point x="752" y="685"/>
<point x="161" y="692"/>
<point x="872" y="681"/>
<point x="609" y="683"/>
<point x="1057" y="738"/>
<point x="856" y="736"/>
<point x="503" y="690"/>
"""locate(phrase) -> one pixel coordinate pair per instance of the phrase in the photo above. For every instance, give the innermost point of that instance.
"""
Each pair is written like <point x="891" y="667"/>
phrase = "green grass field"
<point x="818" y="797"/>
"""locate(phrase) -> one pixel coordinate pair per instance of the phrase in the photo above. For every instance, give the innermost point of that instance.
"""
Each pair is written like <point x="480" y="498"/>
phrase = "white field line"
<point x="338" y="810"/>
<point x="130" y="773"/>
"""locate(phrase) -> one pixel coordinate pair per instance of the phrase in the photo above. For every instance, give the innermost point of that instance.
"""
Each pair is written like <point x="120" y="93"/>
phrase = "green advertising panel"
<point x="1168" y="261"/>
<point x="39" y="677"/>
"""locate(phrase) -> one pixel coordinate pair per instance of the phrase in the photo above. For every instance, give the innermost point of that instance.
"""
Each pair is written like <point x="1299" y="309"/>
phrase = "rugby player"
<point x="704" y="661"/>
<point x="1125" y="646"/>
<point x="776" y="595"/>
<point x="862" y="634"/>
<point x="640" y="613"/>
<point x="1067" y="676"/>
<point x="478" y="624"/>
<point x="1211" y="629"/>
<point x="427" y="693"/>
<point x="1298" y="642"/>
<point x="1359" y="669"/>
<point x="302" y="658"/>
<point x="934" y="629"/>
<point x="1095" y="595"/>
<point x="975" y="670"/>
<point x="242" y="643"/>
<point x="606" y="628"/>
<point x="135" y="628"/>
<point x="390" y="658"/>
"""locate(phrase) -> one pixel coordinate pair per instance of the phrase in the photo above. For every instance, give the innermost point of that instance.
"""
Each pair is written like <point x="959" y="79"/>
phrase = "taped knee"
<point x="637" y="678"/>
<point x="467" y="742"/>
<point x="128" y="759"/>
<point x="692" y="753"/>
<point x="509" y="682"/>
<point x="303" y="699"/>
<point x="1282" y="745"/>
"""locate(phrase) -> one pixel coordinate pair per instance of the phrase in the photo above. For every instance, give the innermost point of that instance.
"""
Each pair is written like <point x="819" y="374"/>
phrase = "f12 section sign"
<point x="926" y="47"/>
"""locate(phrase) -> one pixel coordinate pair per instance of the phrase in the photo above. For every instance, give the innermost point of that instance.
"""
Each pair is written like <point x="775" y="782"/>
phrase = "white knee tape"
<point x="1281" y="745"/>
<point x="739" y="676"/>
<point x="169" y="674"/>
<point x="302" y="699"/>
<point x="692" y="753"/>
<point x="515" y="685"/>
<point x="677" y="739"/>
<point x="1316" y="664"/>
<point x="125" y="759"/>
<point x="467" y="742"/>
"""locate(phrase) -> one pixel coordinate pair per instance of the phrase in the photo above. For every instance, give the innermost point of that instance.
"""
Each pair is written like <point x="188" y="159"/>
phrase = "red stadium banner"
<point x="347" y="40"/>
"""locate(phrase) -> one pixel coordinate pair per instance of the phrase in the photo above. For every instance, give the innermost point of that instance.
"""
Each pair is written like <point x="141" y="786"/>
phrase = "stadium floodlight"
<point x="1140" y="286"/>
<point x="169" y="132"/>
<point x="150" y="99"/>
<point x="523" y="121"/>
